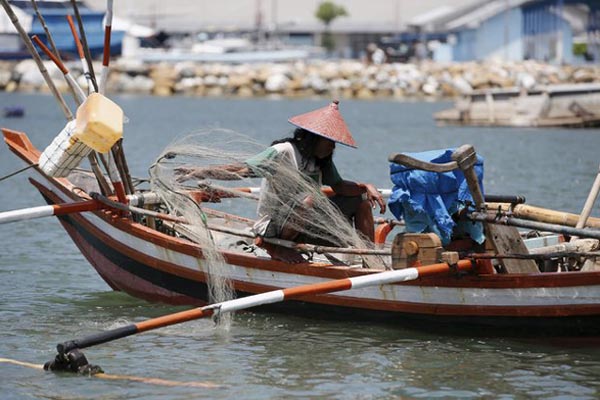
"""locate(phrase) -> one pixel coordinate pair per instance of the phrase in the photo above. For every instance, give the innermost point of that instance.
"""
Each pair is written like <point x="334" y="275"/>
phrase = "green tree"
<point x="326" y="13"/>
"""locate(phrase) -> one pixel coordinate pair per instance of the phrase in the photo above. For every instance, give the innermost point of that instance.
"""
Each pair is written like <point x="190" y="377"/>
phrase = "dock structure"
<point x="576" y="105"/>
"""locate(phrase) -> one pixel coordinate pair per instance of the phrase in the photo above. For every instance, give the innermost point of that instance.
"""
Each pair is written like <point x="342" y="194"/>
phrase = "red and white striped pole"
<point x="50" y="210"/>
<point x="84" y="65"/>
<point x="275" y="296"/>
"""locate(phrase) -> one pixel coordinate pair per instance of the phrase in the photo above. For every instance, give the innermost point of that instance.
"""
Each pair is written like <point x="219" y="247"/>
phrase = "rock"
<point x="526" y="80"/>
<point x="5" y="78"/>
<point x="237" y="80"/>
<point x="11" y="87"/>
<point x="211" y="80"/>
<point x="340" y="78"/>
<point x="364" y="94"/>
<point x="583" y="76"/>
<point x="162" y="90"/>
<point x="188" y="85"/>
<point x="245" y="91"/>
<point x="215" y="91"/>
<point x="276" y="83"/>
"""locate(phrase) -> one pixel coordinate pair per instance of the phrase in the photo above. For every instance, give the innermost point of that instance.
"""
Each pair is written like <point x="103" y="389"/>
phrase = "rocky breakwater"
<point x="342" y="78"/>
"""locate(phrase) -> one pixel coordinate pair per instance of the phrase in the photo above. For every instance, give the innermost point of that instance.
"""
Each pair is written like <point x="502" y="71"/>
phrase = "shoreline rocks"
<point x="345" y="79"/>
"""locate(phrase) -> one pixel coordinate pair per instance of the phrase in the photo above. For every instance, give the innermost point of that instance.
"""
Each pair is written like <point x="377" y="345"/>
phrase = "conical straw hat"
<point x="326" y="122"/>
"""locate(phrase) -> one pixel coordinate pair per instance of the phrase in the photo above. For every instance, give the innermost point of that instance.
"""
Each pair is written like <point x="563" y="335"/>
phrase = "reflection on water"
<point x="51" y="294"/>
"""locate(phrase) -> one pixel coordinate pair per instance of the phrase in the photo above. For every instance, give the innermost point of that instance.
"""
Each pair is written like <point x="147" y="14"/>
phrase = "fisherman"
<point x="310" y="151"/>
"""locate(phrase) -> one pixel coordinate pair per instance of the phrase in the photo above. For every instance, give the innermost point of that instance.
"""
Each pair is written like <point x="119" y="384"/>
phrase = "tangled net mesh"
<point x="207" y="152"/>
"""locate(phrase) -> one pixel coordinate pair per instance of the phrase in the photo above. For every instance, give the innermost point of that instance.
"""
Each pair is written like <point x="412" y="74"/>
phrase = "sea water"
<point x="51" y="294"/>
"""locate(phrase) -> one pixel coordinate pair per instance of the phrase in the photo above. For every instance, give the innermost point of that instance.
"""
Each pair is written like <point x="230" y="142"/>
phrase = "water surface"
<point x="50" y="293"/>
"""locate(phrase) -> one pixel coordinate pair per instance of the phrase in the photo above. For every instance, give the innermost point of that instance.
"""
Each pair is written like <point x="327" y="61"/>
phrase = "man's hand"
<point x="375" y="197"/>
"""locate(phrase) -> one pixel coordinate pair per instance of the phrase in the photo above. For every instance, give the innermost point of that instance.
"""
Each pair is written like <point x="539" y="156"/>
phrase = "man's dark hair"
<point x="305" y="141"/>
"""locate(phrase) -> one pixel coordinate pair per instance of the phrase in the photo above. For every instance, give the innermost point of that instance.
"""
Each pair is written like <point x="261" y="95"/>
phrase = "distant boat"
<point x="573" y="105"/>
<point x="14" y="111"/>
<point x="234" y="50"/>
<point x="54" y="13"/>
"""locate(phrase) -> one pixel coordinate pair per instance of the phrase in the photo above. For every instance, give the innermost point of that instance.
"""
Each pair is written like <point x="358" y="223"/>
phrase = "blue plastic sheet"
<point x="427" y="200"/>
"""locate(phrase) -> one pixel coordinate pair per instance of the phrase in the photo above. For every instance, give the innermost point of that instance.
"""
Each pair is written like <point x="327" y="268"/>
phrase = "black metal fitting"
<point x="72" y="361"/>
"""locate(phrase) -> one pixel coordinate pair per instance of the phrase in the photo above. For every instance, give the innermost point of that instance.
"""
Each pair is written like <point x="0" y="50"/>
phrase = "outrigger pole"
<point x="37" y="59"/>
<point x="70" y="358"/>
<point x="50" y="210"/>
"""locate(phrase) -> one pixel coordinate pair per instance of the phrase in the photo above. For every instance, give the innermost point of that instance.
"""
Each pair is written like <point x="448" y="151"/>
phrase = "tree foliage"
<point x="328" y="11"/>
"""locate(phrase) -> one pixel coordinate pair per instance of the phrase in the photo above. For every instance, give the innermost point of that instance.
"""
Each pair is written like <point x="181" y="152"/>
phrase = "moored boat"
<point x="143" y="241"/>
<point x="575" y="105"/>
<point x="162" y="266"/>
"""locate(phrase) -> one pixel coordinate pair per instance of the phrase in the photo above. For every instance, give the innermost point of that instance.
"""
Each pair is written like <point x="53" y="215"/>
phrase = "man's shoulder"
<point x="284" y="147"/>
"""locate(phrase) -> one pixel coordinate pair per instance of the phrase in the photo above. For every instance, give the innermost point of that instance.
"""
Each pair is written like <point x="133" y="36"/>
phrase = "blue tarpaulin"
<point x="427" y="200"/>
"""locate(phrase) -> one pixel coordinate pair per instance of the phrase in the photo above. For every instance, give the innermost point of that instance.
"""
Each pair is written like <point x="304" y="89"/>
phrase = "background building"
<point x="289" y="21"/>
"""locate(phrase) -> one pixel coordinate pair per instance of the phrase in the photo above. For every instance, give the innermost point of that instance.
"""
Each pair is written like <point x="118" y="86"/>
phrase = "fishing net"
<point x="204" y="171"/>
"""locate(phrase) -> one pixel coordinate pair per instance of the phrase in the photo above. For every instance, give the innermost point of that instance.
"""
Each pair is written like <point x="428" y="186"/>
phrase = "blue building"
<point x="515" y="30"/>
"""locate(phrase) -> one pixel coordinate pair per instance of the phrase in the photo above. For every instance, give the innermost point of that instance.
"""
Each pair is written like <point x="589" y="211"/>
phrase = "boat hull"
<point x="156" y="267"/>
<point x="553" y="105"/>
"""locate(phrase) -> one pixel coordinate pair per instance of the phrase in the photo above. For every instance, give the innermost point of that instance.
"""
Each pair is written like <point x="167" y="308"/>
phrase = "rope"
<point x="141" y="379"/>
<point x="17" y="172"/>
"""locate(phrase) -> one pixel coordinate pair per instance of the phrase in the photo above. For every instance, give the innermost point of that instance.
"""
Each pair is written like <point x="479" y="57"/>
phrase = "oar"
<point x="69" y="358"/>
<point x="50" y="210"/>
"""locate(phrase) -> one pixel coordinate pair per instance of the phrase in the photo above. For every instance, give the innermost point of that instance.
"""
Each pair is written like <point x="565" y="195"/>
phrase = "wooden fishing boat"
<point x="574" y="105"/>
<point x="158" y="266"/>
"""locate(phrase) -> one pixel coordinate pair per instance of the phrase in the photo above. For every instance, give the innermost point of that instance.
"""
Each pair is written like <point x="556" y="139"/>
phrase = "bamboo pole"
<point x="45" y="27"/>
<point x="36" y="57"/>
<point x="541" y="226"/>
<point x="542" y="214"/>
